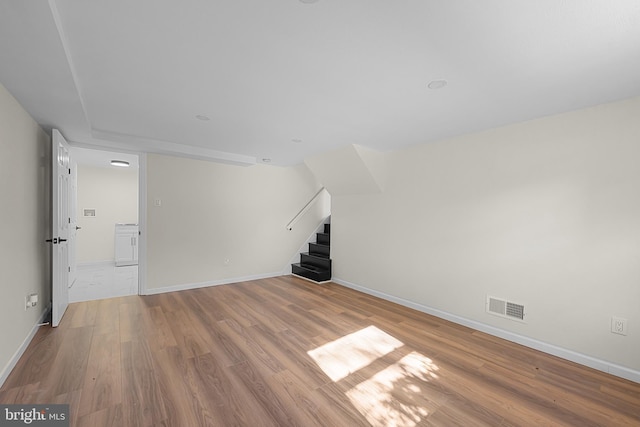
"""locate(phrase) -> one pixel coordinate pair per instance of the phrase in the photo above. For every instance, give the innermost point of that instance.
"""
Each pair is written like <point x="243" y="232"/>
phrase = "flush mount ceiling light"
<point x="296" y="141"/>
<point x="437" y="84"/>
<point x="120" y="163"/>
<point x="266" y="160"/>
<point x="202" y="117"/>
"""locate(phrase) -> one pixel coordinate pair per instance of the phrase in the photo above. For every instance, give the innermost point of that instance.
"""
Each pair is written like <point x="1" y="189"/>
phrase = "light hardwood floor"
<point x="285" y="352"/>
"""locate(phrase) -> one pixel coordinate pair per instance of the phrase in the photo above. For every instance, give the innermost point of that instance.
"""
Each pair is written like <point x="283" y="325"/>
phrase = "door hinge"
<point x="69" y="171"/>
<point x="69" y="220"/>
<point x="69" y="269"/>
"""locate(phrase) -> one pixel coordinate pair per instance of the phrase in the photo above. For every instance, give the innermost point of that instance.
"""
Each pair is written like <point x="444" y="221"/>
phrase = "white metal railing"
<point x="304" y="209"/>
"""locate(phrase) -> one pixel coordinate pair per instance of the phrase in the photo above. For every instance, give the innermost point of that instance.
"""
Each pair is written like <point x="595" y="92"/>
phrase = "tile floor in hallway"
<point x="99" y="281"/>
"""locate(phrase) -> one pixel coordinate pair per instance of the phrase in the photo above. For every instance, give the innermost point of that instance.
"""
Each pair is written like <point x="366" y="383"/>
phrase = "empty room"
<point x="320" y="213"/>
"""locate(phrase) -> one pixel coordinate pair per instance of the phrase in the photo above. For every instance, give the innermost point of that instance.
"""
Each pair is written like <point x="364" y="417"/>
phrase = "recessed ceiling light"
<point x="266" y="160"/>
<point x="296" y="141"/>
<point x="202" y="117"/>
<point x="437" y="84"/>
<point x="120" y="163"/>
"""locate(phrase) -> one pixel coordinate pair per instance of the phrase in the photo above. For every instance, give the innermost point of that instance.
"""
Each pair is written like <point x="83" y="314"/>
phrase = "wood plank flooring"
<point x="286" y="352"/>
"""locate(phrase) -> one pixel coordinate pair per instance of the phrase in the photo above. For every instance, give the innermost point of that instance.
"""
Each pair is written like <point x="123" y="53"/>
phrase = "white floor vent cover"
<point x="504" y="308"/>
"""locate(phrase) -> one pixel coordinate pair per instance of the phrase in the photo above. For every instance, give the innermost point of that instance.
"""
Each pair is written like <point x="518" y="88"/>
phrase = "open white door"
<point x="61" y="219"/>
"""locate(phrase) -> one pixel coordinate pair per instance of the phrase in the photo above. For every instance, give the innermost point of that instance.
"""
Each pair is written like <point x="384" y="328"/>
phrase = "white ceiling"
<point x="135" y="74"/>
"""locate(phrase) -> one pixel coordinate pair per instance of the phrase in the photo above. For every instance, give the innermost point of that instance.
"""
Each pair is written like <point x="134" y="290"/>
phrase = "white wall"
<point x="25" y="194"/>
<point x="113" y="192"/>
<point x="213" y="212"/>
<point x="546" y="213"/>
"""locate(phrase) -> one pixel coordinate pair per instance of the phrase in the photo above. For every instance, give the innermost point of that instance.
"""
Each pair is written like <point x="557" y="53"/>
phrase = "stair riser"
<point x="312" y="275"/>
<point x="323" y="238"/>
<point x="324" y="263"/>
<point x="327" y="228"/>
<point x="319" y="249"/>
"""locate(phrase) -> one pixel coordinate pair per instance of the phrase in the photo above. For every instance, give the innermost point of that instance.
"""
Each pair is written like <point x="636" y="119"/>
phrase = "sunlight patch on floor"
<point x="352" y="352"/>
<point x="397" y="396"/>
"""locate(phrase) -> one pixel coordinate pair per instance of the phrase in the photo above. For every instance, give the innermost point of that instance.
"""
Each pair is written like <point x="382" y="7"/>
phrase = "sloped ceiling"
<point x="349" y="170"/>
<point x="284" y="80"/>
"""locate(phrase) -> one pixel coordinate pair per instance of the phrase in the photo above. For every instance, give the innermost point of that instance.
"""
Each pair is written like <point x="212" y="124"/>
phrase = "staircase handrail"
<point x="304" y="209"/>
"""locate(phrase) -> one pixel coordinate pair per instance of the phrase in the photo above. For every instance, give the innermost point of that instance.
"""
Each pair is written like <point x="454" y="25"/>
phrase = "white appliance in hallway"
<point x="126" y="245"/>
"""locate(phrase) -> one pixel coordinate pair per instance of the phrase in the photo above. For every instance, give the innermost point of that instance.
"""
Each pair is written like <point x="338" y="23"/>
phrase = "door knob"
<point x="78" y="228"/>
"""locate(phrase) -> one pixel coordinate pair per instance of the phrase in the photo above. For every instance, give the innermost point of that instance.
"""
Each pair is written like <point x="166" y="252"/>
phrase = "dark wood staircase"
<point x="315" y="265"/>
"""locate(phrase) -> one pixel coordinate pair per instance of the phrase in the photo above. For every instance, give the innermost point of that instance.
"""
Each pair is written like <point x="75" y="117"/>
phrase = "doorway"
<point x="105" y="200"/>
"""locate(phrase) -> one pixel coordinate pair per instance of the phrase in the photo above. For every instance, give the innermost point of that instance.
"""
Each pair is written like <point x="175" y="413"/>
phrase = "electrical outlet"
<point x="618" y="325"/>
<point x="33" y="299"/>
<point x="30" y="301"/>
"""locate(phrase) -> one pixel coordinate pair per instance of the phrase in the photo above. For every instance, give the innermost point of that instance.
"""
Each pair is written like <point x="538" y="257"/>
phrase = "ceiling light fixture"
<point x="266" y="160"/>
<point x="120" y="163"/>
<point x="202" y="117"/>
<point x="296" y="141"/>
<point x="437" y="84"/>
<point x="308" y="1"/>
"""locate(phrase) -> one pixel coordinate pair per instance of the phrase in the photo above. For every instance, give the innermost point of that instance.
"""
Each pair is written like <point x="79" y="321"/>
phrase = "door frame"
<point x="142" y="223"/>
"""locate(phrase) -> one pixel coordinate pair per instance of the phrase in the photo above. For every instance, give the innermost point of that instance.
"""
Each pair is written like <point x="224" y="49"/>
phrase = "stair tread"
<point x="312" y="273"/>
<point x="317" y="255"/>
<point x="311" y="267"/>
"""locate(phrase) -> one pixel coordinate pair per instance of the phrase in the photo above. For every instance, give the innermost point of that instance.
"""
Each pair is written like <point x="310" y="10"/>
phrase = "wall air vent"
<point x="504" y="308"/>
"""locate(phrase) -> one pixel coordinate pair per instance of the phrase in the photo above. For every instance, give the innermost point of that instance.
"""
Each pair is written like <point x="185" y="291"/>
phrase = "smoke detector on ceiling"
<point x="437" y="84"/>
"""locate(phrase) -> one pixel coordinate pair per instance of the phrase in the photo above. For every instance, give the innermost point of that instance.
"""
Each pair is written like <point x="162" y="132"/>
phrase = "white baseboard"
<point x="16" y="356"/>
<point x="573" y="356"/>
<point x="188" y="286"/>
